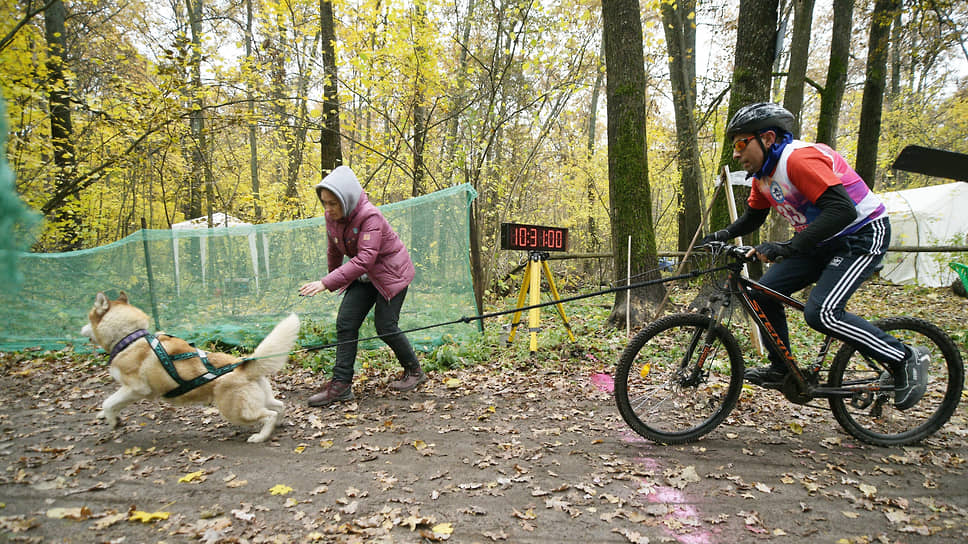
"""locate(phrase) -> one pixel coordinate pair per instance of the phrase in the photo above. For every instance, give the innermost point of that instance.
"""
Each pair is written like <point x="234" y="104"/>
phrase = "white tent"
<point x="928" y="216"/>
<point x="219" y="220"/>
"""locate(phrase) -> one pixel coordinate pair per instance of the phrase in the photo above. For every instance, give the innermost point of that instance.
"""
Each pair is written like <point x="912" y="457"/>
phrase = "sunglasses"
<point x="741" y="144"/>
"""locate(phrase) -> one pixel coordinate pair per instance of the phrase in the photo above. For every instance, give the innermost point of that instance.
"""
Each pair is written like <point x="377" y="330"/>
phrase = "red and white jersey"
<point x="802" y="174"/>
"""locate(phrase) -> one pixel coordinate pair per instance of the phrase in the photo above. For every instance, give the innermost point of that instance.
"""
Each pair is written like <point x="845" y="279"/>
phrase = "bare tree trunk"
<point x="799" y="55"/>
<point x="785" y="10"/>
<point x="870" y="110"/>
<point x="778" y="228"/>
<point x="291" y="126"/>
<point x="896" y="56"/>
<point x="477" y="272"/>
<point x="628" y="177"/>
<point x="274" y="47"/>
<point x="331" y="153"/>
<point x="900" y="178"/>
<point x="752" y="75"/>
<point x="295" y="145"/>
<point x="833" y="93"/>
<point x="61" y="126"/>
<point x="419" y="112"/>
<point x="682" y="70"/>
<point x="199" y="153"/>
<point x="451" y="143"/>
<point x="594" y="241"/>
<point x="419" y="136"/>
<point x="298" y="130"/>
<point x="253" y="140"/>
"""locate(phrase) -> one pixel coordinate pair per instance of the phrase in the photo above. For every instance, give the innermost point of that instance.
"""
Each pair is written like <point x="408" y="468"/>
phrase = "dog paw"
<point x="111" y="420"/>
<point x="256" y="439"/>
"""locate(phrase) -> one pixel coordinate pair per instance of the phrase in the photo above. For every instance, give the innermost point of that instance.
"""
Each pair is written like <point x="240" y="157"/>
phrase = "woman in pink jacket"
<point x="378" y="272"/>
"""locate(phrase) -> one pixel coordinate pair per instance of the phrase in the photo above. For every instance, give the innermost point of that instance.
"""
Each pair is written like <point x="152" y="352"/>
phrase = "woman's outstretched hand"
<point x="312" y="288"/>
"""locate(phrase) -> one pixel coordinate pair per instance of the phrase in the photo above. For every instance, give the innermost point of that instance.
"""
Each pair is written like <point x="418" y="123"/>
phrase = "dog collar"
<point x="125" y="342"/>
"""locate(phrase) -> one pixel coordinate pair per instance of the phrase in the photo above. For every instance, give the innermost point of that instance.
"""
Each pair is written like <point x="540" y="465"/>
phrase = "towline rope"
<point x="481" y="317"/>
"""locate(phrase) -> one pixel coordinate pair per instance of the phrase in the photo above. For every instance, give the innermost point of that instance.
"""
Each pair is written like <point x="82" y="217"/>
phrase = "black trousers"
<point x="838" y="267"/>
<point x="358" y="299"/>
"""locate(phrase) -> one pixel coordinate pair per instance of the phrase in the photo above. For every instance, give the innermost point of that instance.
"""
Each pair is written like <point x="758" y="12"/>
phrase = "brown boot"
<point x="331" y="392"/>
<point x="409" y="379"/>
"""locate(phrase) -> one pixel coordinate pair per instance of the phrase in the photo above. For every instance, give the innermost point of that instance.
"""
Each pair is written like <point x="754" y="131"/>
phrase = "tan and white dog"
<point x="243" y="396"/>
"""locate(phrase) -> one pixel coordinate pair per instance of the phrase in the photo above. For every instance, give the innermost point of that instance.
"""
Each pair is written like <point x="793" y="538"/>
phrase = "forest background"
<point x="120" y="110"/>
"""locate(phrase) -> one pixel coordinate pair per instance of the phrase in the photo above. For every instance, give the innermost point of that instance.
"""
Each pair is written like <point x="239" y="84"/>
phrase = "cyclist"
<point x="842" y="232"/>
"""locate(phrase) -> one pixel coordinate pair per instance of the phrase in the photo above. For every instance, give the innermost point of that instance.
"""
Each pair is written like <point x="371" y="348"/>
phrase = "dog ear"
<point x="123" y="297"/>
<point x="101" y="304"/>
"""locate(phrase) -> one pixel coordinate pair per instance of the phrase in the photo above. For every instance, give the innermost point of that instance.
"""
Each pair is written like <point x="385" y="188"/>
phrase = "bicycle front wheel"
<point x="871" y="416"/>
<point x="678" y="378"/>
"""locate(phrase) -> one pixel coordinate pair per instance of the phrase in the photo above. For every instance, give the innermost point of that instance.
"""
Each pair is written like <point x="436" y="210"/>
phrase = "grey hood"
<point x="342" y="182"/>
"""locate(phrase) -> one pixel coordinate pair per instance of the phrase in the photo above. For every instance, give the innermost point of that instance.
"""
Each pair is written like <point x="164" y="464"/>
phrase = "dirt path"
<point x="535" y="455"/>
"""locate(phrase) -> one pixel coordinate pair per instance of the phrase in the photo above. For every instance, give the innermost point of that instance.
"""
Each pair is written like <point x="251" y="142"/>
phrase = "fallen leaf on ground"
<point x="108" y="521"/>
<point x="443" y="528"/>
<point x="17" y="524"/>
<point x="148" y="517"/>
<point x="682" y="478"/>
<point x="897" y="516"/>
<point x="498" y="535"/>
<point x="243" y="515"/>
<point x="632" y="536"/>
<point x="197" y="476"/>
<point x="76" y="514"/>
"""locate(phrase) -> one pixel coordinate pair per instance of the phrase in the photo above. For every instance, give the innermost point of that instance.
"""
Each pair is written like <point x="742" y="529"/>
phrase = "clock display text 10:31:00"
<point x="533" y="237"/>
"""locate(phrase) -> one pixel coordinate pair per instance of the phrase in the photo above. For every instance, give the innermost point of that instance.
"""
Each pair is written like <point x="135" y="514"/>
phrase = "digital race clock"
<point x="533" y="237"/>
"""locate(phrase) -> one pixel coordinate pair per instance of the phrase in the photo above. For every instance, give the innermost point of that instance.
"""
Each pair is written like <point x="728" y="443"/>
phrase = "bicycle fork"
<point x="692" y="374"/>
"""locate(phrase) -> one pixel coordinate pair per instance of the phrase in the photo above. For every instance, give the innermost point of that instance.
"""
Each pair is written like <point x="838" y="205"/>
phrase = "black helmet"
<point x="754" y="118"/>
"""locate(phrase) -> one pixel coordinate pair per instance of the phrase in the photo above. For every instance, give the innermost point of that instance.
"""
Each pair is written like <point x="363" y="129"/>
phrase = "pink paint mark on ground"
<point x="683" y="511"/>
<point x="671" y="495"/>
<point x="704" y="537"/>
<point x="682" y="508"/>
<point x="603" y="382"/>
<point x="648" y="463"/>
<point x="633" y="438"/>
<point x="668" y="494"/>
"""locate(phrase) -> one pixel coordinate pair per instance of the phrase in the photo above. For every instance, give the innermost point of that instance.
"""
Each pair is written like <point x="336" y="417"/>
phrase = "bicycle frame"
<point x="804" y="380"/>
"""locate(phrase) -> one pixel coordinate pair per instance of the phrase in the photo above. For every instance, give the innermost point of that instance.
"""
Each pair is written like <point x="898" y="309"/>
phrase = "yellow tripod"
<point x="532" y="282"/>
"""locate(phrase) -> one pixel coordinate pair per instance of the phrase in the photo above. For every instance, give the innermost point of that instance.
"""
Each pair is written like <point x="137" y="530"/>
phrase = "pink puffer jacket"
<point x="367" y="238"/>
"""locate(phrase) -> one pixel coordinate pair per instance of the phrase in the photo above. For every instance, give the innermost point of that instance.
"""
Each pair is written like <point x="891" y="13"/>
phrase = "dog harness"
<point x="167" y="361"/>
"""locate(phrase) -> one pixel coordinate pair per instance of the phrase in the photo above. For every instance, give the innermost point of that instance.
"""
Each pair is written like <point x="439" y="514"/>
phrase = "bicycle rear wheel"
<point x="677" y="380"/>
<point x="871" y="416"/>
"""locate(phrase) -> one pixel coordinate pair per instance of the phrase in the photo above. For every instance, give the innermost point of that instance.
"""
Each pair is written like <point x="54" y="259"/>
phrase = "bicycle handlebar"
<point x="737" y="252"/>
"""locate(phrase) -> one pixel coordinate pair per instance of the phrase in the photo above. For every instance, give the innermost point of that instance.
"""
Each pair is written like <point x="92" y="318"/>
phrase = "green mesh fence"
<point x="233" y="284"/>
<point x="17" y="221"/>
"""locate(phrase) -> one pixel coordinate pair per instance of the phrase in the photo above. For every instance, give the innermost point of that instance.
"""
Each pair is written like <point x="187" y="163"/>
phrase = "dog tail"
<point x="273" y="352"/>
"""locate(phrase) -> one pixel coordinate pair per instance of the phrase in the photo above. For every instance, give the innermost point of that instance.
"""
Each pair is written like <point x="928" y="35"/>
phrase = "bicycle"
<point x="681" y="376"/>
